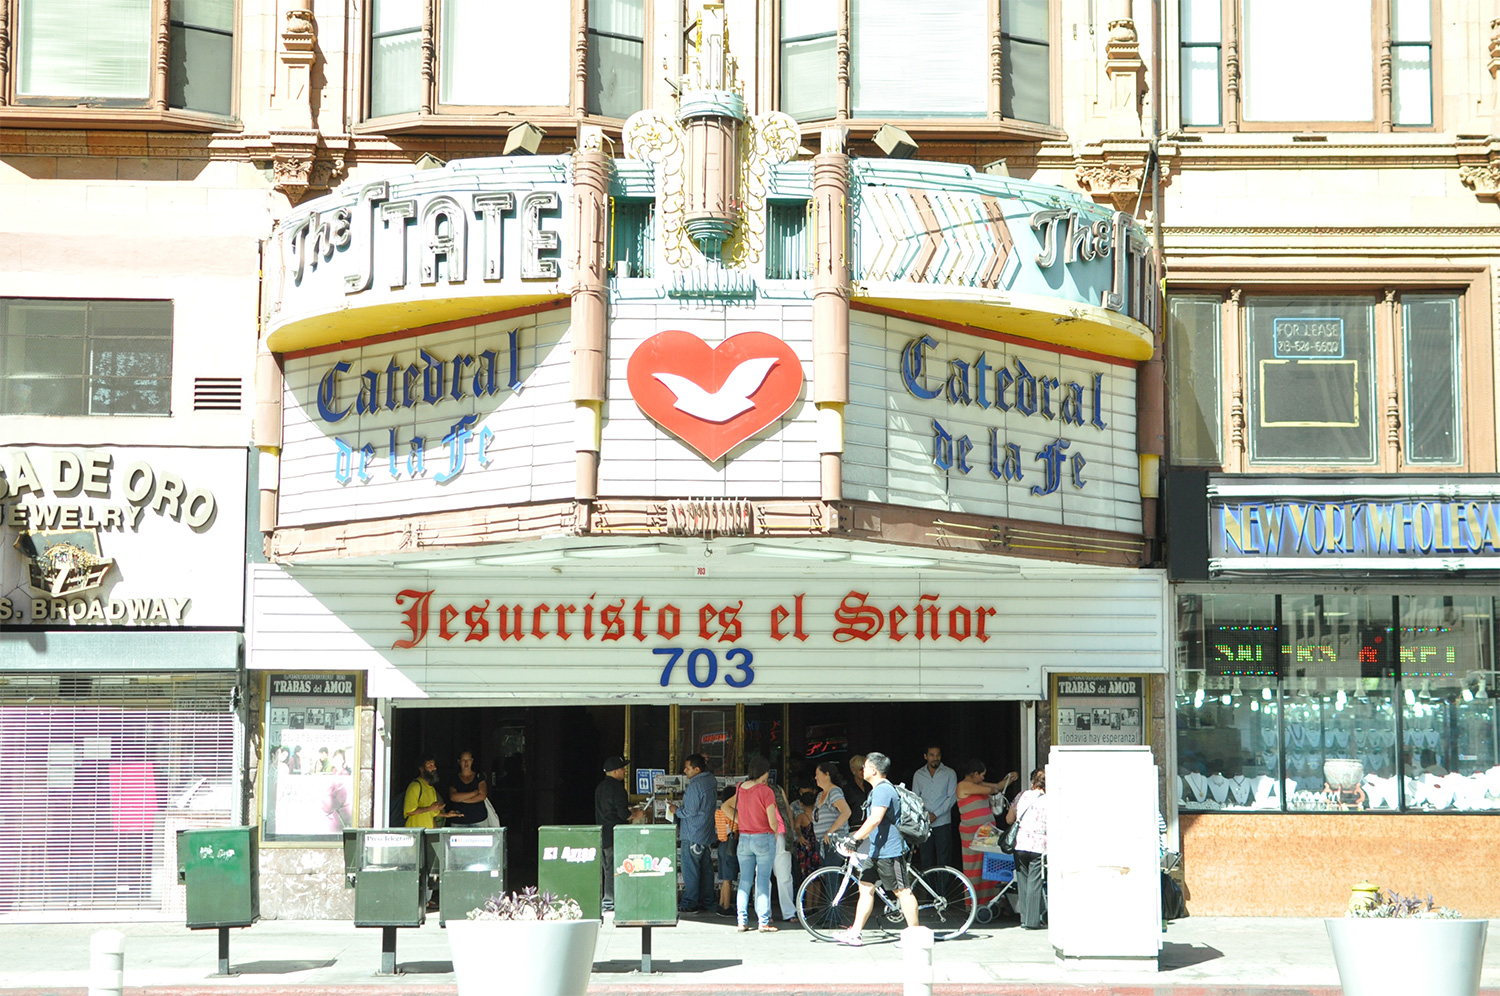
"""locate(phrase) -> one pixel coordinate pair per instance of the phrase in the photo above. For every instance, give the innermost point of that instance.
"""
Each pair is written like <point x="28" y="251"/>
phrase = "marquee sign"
<point x="716" y="398"/>
<point x="797" y="635"/>
<point x="477" y="236"/>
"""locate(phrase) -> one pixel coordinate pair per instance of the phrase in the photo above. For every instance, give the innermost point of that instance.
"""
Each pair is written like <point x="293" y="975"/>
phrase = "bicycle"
<point x="946" y="901"/>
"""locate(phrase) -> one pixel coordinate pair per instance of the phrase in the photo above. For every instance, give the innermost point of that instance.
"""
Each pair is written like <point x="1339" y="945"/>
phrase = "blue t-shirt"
<point x="886" y="841"/>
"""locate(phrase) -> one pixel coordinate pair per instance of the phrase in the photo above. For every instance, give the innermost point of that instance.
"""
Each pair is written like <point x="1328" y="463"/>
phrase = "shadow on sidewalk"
<point x="623" y="966"/>
<point x="1175" y="956"/>
<point x="278" y="967"/>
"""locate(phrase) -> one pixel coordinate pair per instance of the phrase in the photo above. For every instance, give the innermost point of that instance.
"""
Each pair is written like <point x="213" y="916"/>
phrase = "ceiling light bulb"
<point x="1468" y="694"/>
<point x="1198" y="699"/>
<point x="1254" y="706"/>
<point x="1265" y="693"/>
<point x="1411" y="697"/>
<point x="1224" y="698"/>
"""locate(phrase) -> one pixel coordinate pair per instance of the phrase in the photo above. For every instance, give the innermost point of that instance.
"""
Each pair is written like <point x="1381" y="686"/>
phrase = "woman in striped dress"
<point x="974" y="811"/>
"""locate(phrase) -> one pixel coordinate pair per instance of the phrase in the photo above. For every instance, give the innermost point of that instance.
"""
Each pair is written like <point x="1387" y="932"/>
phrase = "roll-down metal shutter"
<point x="98" y="772"/>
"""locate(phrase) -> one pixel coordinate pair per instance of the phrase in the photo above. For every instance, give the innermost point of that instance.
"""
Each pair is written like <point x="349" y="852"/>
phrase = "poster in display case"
<point x="311" y="744"/>
<point x="1099" y="709"/>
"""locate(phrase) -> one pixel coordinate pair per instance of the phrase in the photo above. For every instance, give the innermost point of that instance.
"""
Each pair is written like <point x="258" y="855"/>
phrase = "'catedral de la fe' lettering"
<point x="608" y="620"/>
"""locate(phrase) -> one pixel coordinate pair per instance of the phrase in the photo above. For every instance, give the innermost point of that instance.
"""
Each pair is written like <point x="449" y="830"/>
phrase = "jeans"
<point x="782" y="865"/>
<point x="757" y="855"/>
<point x="697" y="877"/>
<point x="607" y="893"/>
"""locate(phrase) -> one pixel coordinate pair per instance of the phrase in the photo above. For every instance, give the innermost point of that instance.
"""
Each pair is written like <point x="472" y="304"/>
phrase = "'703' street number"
<point x="702" y="666"/>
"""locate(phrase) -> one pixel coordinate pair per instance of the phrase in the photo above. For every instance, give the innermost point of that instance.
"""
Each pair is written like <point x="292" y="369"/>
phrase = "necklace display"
<point x="1239" y="790"/>
<point x="1218" y="787"/>
<point x="1198" y="785"/>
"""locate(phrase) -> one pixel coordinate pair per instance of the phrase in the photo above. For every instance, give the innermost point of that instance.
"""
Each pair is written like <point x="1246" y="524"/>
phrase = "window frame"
<point x="86" y="373"/>
<point x="431" y="114"/>
<point x="991" y="123"/>
<point x="152" y="112"/>
<point x="1476" y="389"/>
<point x="1232" y="77"/>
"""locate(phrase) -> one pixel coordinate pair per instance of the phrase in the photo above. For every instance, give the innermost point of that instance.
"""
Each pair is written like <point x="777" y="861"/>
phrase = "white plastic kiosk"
<point x="1103" y="858"/>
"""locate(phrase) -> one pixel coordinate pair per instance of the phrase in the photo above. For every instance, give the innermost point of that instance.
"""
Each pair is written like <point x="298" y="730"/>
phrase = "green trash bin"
<point x="568" y="864"/>
<point x="646" y="875"/>
<point x="220" y="870"/>
<point x="388" y="871"/>
<point x="469" y="863"/>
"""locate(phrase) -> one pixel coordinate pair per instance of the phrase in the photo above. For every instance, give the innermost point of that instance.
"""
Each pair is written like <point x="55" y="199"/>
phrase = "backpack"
<point x="912" y="819"/>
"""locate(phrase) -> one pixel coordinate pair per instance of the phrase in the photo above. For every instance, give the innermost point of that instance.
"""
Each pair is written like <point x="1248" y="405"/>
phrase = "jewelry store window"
<point x="1319" y="702"/>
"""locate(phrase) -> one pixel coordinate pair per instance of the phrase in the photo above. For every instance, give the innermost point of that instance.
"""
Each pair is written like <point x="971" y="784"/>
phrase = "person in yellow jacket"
<point x="424" y="805"/>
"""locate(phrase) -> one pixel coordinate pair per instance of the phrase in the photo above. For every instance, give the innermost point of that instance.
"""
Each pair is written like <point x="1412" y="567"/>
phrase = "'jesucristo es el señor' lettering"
<point x="855" y="619"/>
<point x="1362" y="528"/>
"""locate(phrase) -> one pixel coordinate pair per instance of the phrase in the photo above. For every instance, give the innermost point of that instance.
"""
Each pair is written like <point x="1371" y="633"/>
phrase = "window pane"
<point x="1310" y="380"/>
<point x="1025" y="92"/>
<point x="395" y="74"/>
<point x="1227" y="724"/>
<point x="1430" y="327"/>
<point x="1411" y="84"/>
<point x="614" y="76"/>
<point x="935" y="65"/>
<point x="1025" y="19"/>
<point x="1193" y="358"/>
<point x="618" y="17"/>
<point x="85" y="48"/>
<point x="786" y="241"/>
<point x="808" y="78"/>
<point x="534" y="69"/>
<point x="1411" y="20"/>
<point x="1448" y="718"/>
<point x="1200" y="86"/>
<point x="200" y="75"/>
<point x="77" y="357"/>
<point x="215" y="14"/>
<point x="387" y="16"/>
<point x="800" y="18"/>
<point x="1323" y="70"/>
<point x="634" y="238"/>
<point x="1339" y="702"/>
<point x="1200" y="21"/>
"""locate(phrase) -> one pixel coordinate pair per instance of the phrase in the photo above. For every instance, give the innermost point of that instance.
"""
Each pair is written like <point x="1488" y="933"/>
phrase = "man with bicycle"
<point x="888" y="862"/>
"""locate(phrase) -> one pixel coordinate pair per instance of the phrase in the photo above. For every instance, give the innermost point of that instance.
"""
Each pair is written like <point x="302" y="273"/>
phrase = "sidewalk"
<point x="1287" y="957"/>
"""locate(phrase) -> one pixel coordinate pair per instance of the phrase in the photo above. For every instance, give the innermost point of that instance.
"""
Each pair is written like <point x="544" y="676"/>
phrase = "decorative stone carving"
<point x="1494" y="65"/>
<point x="300" y="164"/>
<point x="1127" y="75"/>
<point x="299" y="44"/>
<point x="1483" y="179"/>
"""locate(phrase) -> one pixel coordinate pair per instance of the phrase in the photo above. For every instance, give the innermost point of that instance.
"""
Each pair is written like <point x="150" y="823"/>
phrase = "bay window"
<point x="121" y="56"/>
<point x="939" y="65"/>
<point x="533" y="71"/>
<point x="1335" y="64"/>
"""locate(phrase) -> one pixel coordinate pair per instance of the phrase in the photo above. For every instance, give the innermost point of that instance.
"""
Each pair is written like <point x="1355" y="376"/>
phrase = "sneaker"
<point x="725" y="911"/>
<point x="850" y="938"/>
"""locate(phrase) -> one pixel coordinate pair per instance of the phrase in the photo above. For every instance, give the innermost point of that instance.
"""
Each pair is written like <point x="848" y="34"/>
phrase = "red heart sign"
<point x="714" y="399"/>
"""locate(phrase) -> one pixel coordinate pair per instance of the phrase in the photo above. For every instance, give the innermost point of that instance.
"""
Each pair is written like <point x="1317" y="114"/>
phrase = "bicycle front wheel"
<point x="945" y="901"/>
<point x="826" y="901"/>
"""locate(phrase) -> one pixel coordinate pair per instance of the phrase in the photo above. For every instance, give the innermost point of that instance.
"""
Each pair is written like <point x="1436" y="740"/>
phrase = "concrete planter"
<point x="1431" y="957"/>
<point x="522" y="957"/>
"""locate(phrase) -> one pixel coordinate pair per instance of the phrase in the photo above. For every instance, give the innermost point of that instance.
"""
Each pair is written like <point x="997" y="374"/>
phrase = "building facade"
<point x="649" y="377"/>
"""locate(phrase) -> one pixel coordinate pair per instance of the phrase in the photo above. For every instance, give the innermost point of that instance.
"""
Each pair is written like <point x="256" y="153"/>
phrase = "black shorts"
<point x="891" y="872"/>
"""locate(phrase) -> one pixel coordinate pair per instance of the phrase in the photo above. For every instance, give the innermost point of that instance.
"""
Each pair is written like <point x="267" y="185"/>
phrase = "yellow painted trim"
<point x="331" y="328"/>
<point x="1030" y="316"/>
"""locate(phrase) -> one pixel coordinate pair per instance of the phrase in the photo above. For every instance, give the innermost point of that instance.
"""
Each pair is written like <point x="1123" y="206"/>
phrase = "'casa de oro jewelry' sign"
<point x="121" y="536"/>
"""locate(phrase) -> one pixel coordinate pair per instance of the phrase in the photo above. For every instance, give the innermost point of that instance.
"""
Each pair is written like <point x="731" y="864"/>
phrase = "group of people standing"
<point x="760" y="834"/>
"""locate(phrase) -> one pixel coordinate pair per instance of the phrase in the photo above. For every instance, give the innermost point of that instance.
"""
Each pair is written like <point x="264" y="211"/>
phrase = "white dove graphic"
<point x="732" y="399"/>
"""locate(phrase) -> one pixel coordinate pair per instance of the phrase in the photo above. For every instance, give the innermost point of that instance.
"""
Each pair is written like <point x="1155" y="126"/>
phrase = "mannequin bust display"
<point x="1197" y="786"/>
<point x="1218" y="787"/>
<point x="1239" y="790"/>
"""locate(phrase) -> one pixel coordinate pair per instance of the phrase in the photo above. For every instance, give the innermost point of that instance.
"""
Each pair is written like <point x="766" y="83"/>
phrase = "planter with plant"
<point x="1402" y="944"/>
<point x="524" y="943"/>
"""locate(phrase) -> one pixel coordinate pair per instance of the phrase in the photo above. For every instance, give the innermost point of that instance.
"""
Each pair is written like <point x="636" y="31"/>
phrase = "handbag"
<point x="491" y="818"/>
<point x="1008" y="842"/>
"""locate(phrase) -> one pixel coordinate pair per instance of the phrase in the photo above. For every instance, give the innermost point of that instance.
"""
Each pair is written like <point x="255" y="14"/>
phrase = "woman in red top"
<point x="974" y="794"/>
<point x="755" y="809"/>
